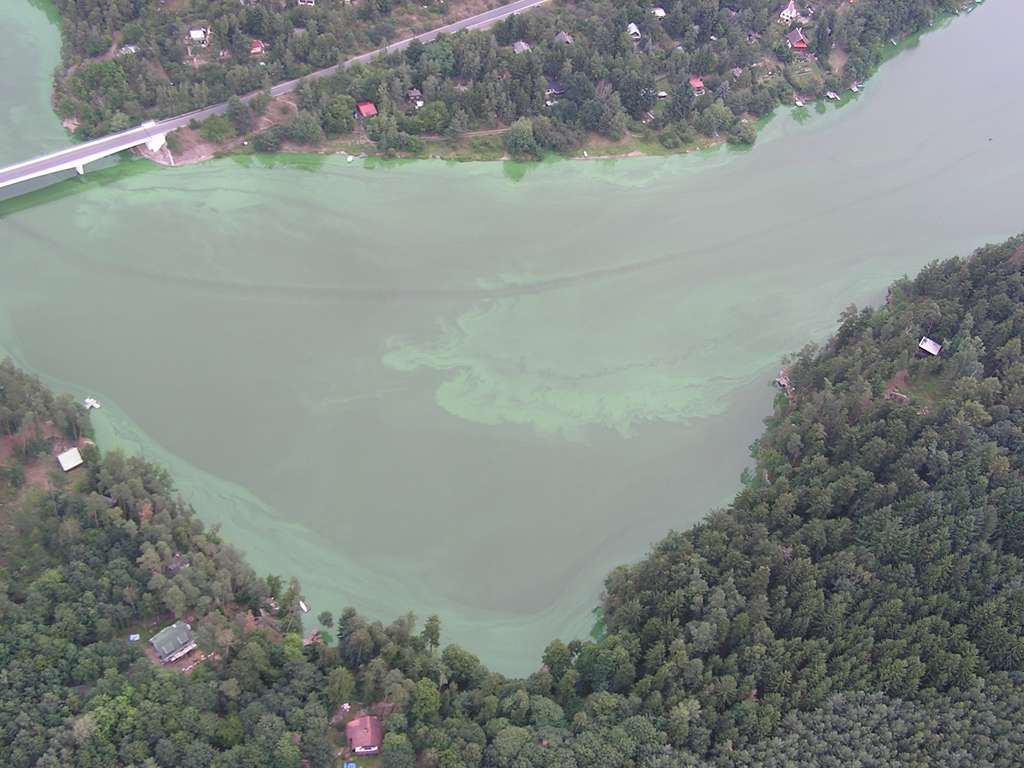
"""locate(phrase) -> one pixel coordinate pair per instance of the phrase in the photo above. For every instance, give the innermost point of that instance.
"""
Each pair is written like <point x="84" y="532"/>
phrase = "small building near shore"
<point x="366" y="109"/>
<point x="70" y="459"/>
<point x="929" y="347"/>
<point x="173" y="642"/>
<point x="364" y="735"/>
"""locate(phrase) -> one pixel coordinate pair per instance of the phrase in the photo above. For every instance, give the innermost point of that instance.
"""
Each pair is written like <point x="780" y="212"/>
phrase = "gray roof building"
<point x="173" y="642"/>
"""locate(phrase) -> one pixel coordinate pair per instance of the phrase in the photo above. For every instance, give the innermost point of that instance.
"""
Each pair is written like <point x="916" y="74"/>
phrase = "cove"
<point x="472" y="390"/>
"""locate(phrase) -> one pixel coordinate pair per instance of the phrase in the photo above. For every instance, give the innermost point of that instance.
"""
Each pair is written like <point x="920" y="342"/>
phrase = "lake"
<point x="473" y="389"/>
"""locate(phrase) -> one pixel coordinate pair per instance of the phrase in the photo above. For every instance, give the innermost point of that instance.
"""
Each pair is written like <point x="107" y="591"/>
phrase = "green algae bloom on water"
<point x="430" y="386"/>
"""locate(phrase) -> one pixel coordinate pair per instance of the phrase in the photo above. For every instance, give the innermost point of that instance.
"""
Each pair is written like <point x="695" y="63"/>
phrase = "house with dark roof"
<point x="173" y="642"/>
<point x="797" y="40"/>
<point x="520" y="46"/>
<point x="554" y="87"/>
<point x="565" y="38"/>
<point x="364" y="735"/>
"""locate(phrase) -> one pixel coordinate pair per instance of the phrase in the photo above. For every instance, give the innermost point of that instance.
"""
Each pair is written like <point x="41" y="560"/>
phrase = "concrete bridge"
<point x="153" y="134"/>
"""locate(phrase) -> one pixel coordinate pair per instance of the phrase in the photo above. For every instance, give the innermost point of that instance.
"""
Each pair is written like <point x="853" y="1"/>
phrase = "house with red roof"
<point x="697" y="84"/>
<point x="797" y="40"/>
<point x="256" y="48"/>
<point x="366" y="109"/>
<point x="364" y="735"/>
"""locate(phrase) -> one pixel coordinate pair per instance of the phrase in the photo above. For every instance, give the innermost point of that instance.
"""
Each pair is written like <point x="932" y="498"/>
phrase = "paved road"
<point x="108" y="145"/>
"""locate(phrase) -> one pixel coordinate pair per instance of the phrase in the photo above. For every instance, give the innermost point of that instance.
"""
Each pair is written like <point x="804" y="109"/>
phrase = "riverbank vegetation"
<point x="859" y="603"/>
<point x="552" y="79"/>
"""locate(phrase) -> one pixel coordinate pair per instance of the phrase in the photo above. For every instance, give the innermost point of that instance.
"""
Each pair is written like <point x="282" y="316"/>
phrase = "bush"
<point x="218" y="129"/>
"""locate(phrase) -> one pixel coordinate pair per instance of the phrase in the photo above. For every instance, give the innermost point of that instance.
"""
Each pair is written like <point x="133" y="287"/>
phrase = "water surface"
<point x="469" y="391"/>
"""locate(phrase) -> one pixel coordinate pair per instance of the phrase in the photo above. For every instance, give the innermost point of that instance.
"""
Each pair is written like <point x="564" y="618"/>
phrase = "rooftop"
<point x="364" y="735"/>
<point x="70" y="459"/>
<point x="170" y="641"/>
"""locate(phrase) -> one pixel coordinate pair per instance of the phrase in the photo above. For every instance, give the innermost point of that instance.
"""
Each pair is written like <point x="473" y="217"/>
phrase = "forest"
<point x="859" y="603"/>
<point x="555" y="76"/>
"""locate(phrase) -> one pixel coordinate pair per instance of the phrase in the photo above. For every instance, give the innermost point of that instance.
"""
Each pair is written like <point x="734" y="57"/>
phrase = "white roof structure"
<point x="633" y="30"/>
<point x="929" y="346"/>
<point x="198" y="35"/>
<point x="70" y="459"/>
<point x="789" y="12"/>
<point x="659" y="12"/>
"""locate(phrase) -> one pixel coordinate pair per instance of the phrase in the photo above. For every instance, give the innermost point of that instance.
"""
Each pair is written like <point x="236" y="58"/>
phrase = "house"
<point x="363" y="735"/>
<point x="70" y="459"/>
<point x="366" y="109"/>
<point x="930" y="347"/>
<point x="565" y="38"/>
<point x="173" y="642"/>
<point x="658" y="12"/>
<point x="414" y="95"/>
<point x="662" y="94"/>
<point x="520" y="46"/>
<point x="697" y="85"/>
<point x="555" y="88"/>
<point x="256" y="48"/>
<point x="198" y="35"/>
<point x="633" y="31"/>
<point x="177" y="563"/>
<point x="307" y="3"/>
<point x="788" y="14"/>
<point x="126" y="50"/>
<point x="797" y="40"/>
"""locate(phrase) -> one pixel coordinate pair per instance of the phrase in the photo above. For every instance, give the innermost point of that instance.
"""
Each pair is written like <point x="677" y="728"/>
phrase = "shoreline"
<point x="634" y="144"/>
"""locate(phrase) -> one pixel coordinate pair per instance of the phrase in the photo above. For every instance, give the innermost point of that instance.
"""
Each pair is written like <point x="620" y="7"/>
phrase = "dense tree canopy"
<point x="474" y="79"/>
<point x="860" y="603"/>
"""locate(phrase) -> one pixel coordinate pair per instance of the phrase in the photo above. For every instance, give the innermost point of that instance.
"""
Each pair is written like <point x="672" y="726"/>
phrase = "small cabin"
<point x="697" y="85"/>
<point x="564" y="38"/>
<point x="658" y="12"/>
<point x="789" y="13"/>
<point x="554" y="87"/>
<point x="797" y="40"/>
<point x="363" y="735"/>
<point x="70" y="459"/>
<point x="173" y="642"/>
<point x="366" y="109"/>
<point x="198" y="35"/>
<point x="633" y="31"/>
<point x="520" y="46"/>
<point x="929" y="347"/>
<point x="256" y="48"/>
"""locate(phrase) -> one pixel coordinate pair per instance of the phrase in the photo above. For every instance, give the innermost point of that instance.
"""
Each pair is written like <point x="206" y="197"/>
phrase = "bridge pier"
<point x="155" y="143"/>
<point x="80" y="169"/>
